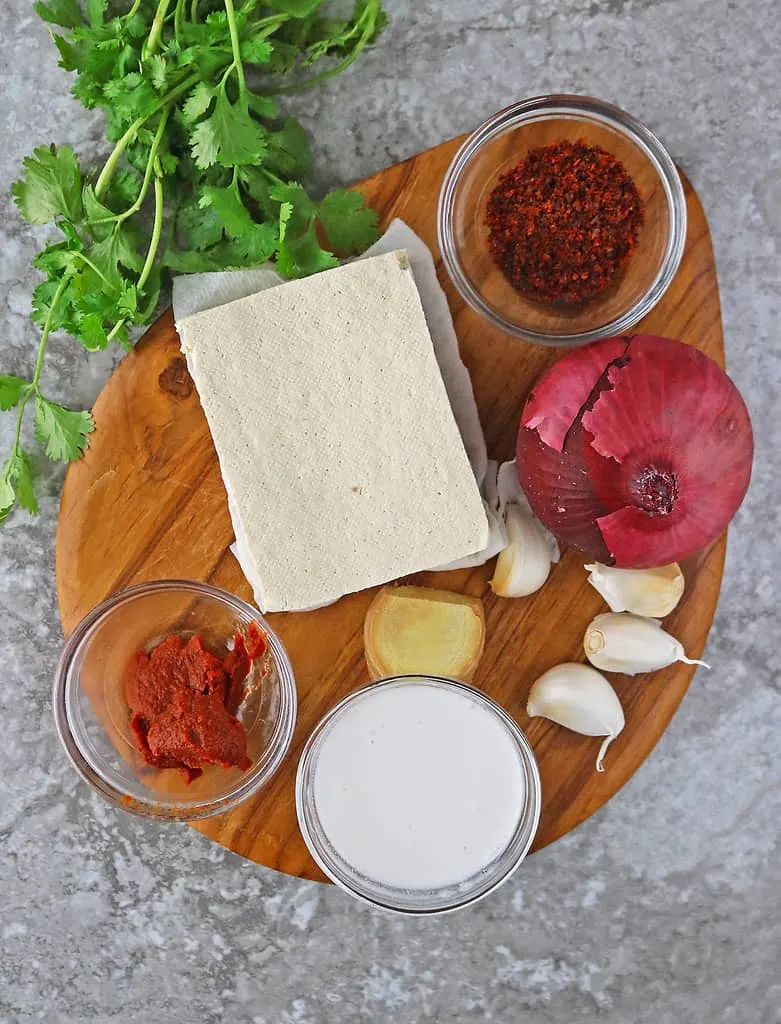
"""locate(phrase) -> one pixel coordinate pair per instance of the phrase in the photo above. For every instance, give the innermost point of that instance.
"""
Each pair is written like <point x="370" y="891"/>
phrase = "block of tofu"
<point x="337" y="443"/>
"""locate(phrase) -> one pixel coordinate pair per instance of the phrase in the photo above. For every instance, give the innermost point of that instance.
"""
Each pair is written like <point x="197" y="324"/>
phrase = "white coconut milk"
<point x="418" y="786"/>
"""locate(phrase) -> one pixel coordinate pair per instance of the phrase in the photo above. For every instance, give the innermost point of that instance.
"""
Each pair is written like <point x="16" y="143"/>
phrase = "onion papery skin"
<point x="636" y="450"/>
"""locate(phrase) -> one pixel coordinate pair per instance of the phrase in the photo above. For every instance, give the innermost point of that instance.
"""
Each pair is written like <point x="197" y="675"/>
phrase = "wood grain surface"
<point x="147" y="502"/>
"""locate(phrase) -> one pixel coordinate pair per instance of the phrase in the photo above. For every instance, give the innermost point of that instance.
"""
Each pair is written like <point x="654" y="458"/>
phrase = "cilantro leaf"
<point x="157" y="69"/>
<point x="263" y="106"/>
<point x="110" y="252"/>
<point x="95" y="11"/>
<point x="229" y="137"/>
<point x="199" y="227"/>
<point x="22" y="476"/>
<point x="231" y="212"/>
<point x="11" y="390"/>
<point x="92" y="334"/>
<point x="288" y="150"/>
<point x="61" y="315"/>
<point x="127" y="303"/>
<point x="285" y="217"/>
<point x="255" y="246"/>
<point x="71" y="54"/>
<point x="284" y="59"/>
<point x="100" y="218"/>
<point x="55" y="259"/>
<point x="131" y="97"/>
<point x="7" y="493"/>
<point x="251" y="243"/>
<point x="51" y="186"/>
<point x="349" y="224"/>
<point x="256" y="51"/>
<point x="66" y="13"/>
<point x="187" y="261"/>
<point x="301" y="255"/>
<point x="218" y="22"/>
<point x="257" y="186"/>
<point x="297" y="198"/>
<point x="63" y="431"/>
<point x="16" y="484"/>
<point x="124" y="188"/>
<point x="300" y="252"/>
<point x="198" y="102"/>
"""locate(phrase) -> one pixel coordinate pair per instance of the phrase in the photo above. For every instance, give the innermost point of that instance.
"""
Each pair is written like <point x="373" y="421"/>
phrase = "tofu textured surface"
<point x="334" y="431"/>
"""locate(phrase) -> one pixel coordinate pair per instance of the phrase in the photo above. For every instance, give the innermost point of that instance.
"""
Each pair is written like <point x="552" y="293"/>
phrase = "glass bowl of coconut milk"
<point x="418" y="794"/>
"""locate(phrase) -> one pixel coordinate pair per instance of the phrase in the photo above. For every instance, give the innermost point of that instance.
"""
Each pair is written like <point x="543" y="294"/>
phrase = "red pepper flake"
<point x="563" y="222"/>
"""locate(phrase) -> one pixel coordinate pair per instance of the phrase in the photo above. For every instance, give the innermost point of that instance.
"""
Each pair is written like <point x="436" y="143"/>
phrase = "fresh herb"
<point x="205" y="174"/>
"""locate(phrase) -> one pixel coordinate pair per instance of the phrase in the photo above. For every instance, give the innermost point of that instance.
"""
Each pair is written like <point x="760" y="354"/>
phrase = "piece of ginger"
<point x="422" y="631"/>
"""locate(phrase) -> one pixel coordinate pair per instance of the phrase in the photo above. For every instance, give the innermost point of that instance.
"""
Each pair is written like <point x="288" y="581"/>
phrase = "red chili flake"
<point x="563" y="222"/>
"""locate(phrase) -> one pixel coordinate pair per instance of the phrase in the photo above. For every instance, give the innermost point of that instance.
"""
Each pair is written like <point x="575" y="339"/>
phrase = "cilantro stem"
<point x="47" y="329"/>
<point x="369" y="16"/>
<point x="134" y="9"/>
<point x="269" y="24"/>
<point x="115" y="330"/>
<point x="111" y="164"/>
<point x="121" y="217"/>
<point x="178" y="15"/>
<point x="194" y="12"/>
<point x="33" y="387"/>
<point x="155" y="36"/>
<point x="235" y="45"/>
<point x="151" y="253"/>
<point x="157" y="228"/>
<point x="226" y="74"/>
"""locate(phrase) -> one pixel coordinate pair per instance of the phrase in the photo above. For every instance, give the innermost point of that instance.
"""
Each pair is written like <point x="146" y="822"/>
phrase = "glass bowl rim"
<point x="573" y="107"/>
<point x="172" y="810"/>
<point x="521" y="840"/>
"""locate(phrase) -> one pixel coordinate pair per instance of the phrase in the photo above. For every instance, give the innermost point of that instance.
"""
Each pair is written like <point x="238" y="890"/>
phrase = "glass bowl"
<point x="416" y="901"/>
<point x="501" y="143"/>
<point x="93" y="718"/>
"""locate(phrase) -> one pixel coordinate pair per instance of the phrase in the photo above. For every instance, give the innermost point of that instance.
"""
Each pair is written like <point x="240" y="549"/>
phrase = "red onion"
<point x="637" y="450"/>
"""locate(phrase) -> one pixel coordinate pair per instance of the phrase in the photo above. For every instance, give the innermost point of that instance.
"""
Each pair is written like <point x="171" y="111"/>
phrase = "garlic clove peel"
<point x="581" y="699"/>
<point x="509" y="492"/>
<point x="623" y="642"/>
<point x="650" y="592"/>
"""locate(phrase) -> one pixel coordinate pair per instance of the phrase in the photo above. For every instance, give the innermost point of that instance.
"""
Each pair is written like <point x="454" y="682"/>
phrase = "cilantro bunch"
<point x="205" y="174"/>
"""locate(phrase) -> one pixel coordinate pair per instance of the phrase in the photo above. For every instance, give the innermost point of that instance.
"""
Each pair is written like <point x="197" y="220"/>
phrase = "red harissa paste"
<point x="183" y="701"/>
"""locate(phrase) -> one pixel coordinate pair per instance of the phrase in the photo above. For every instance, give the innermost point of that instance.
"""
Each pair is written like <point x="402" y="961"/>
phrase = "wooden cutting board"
<point x="147" y="502"/>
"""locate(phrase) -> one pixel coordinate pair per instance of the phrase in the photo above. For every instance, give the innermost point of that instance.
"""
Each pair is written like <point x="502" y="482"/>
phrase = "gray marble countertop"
<point x="664" y="907"/>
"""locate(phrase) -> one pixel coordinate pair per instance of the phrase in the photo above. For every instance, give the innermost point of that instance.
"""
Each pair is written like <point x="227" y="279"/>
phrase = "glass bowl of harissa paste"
<point x="562" y="220"/>
<point x="174" y="699"/>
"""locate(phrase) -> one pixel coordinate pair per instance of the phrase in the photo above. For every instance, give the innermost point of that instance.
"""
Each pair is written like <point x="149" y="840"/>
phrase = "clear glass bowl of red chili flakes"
<point x="175" y="700"/>
<point x="562" y="220"/>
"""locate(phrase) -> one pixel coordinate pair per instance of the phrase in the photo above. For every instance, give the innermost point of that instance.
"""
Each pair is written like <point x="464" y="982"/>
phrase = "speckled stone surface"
<point x="664" y="907"/>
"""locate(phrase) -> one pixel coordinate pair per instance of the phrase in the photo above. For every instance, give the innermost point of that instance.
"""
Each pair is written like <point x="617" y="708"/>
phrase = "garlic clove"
<point x="524" y="565"/>
<point x="508" y="491"/>
<point x="578" y="698"/>
<point x="650" y="592"/>
<point x="622" y="642"/>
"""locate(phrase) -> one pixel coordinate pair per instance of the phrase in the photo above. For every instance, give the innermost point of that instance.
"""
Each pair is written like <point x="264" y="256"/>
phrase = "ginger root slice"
<point x="422" y="631"/>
